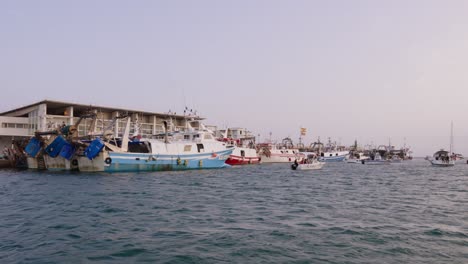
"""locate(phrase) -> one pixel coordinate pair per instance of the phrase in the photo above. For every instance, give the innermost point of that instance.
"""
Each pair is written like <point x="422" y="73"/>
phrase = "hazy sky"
<point x="365" y="70"/>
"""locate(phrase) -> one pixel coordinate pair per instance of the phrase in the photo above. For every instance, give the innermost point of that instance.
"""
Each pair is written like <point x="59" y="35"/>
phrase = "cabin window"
<point x="200" y="148"/>
<point x="294" y="152"/>
<point x="336" y="154"/>
<point x="138" y="147"/>
<point x="187" y="137"/>
<point x="242" y="153"/>
<point x="187" y="148"/>
<point x="331" y="155"/>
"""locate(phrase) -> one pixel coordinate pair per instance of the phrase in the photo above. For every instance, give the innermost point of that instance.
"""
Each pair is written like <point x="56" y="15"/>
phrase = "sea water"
<point x="344" y="213"/>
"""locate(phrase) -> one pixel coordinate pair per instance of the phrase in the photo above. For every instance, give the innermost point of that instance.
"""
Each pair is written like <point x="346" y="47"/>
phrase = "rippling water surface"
<point x="345" y="213"/>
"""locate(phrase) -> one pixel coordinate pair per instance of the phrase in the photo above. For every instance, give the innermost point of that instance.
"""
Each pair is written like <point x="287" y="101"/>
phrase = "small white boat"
<point x="357" y="158"/>
<point x="395" y="159"/>
<point x="375" y="160"/>
<point x="309" y="163"/>
<point x="442" y="158"/>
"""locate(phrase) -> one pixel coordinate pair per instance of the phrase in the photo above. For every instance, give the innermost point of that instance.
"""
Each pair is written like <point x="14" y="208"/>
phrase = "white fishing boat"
<point x="395" y="159"/>
<point x="331" y="152"/>
<point x="309" y="163"/>
<point x="244" y="152"/>
<point x="183" y="150"/>
<point x="357" y="158"/>
<point x="443" y="158"/>
<point x="277" y="153"/>
<point x="193" y="148"/>
<point x="375" y="159"/>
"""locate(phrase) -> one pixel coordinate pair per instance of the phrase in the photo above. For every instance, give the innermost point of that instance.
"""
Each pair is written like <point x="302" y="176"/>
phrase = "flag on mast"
<point x="303" y="131"/>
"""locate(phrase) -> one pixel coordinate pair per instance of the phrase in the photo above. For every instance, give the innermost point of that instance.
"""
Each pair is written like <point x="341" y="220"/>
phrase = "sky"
<point x="371" y="71"/>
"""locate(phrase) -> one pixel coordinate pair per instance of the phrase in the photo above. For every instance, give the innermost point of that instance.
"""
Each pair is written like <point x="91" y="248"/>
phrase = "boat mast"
<point x="451" y="138"/>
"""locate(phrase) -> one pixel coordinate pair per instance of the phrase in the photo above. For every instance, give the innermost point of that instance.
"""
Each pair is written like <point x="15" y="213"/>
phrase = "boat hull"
<point x="4" y="163"/>
<point x="438" y="163"/>
<point x="337" y="157"/>
<point x="376" y="162"/>
<point x="60" y="164"/>
<point x="236" y="160"/>
<point x="134" y="162"/>
<point x="243" y="156"/>
<point x="311" y="166"/>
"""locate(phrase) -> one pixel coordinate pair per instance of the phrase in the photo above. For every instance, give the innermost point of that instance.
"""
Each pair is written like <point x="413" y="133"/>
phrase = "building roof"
<point x="60" y="104"/>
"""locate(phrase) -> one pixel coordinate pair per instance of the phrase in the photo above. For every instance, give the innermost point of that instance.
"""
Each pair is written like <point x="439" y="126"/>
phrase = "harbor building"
<point x="47" y="115"/>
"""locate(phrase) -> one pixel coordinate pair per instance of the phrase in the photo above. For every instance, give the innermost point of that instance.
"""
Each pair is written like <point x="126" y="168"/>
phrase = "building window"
<point x="14" y="125"/>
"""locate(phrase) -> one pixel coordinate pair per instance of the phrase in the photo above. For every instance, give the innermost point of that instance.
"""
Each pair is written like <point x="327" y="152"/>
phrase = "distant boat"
<point x="357" y="158"/>
<point x="334" y="156"/>
<point x="443" y="158"/>
<point x="244" y="147"/>
<point x="395" y="159"/>
<point x="375" y="159"/>
<point x="331" y="152"/>
<point x="284" y="152"/>
<point x="309" y="163"/>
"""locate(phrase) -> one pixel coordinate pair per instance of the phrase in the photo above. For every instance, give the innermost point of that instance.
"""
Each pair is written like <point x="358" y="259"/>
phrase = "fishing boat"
<point x="309" y="163"/>
<point x="357" y="158"/>
<point x="179" y="150"/>
<point x="330" y="152"/>
<point x="55" y="149"/>
<point x="395" y="159"/>
<point x="278" y="153"/>
<point x="183" y="150"/>
<point x="443" y="158"/>
<point x="244" y="147"/>
<point x="375" y="159"/>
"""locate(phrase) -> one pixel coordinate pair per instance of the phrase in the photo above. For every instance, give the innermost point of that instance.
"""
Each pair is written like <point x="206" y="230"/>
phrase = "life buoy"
<point x="107" y="161"/>
<point x="74" y="162"/>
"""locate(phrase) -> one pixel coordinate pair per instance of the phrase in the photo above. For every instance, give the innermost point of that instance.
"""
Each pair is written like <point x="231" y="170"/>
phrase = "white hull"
<point x="439" y="163"/>
<point x="375" y="162"/>
<point x="335" y="156"/>
<point x="279" y="159"/>
<point x="355" y="161"/>
<point x="281" y="156"/>
<point x="311" y="166"/>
